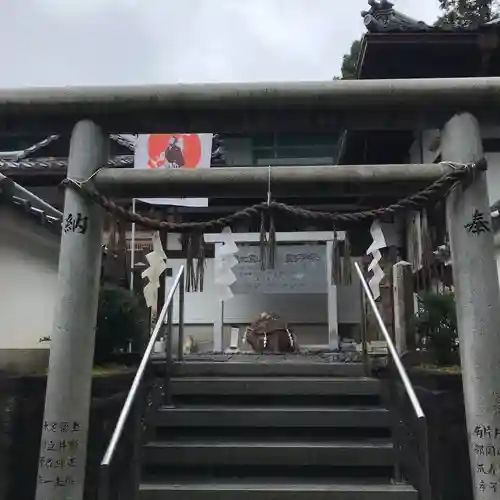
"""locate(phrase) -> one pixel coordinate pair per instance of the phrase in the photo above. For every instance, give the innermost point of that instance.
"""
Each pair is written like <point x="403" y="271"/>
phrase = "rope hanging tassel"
<point x="267" y="243"/>
<point x="336" y="276"/>
<point x="271" y="244"/>
<point x="346" y="262"/>
<point x="194" y="244"/>
<point x="263" y="242"/>
<point x="426" y="251"/>
<point x="115" y="269"/>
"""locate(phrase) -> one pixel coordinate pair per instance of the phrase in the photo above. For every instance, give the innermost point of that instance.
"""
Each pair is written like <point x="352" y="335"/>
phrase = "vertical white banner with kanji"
<point x="174" y="151"/>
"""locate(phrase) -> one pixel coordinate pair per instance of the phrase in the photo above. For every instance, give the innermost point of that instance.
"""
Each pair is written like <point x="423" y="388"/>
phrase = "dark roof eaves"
<point x="436" y="30"/>
<point x="30" y="205"/>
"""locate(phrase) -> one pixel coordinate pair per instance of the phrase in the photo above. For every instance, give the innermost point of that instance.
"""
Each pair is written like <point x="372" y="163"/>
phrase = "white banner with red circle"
<point x="174" y="151"/>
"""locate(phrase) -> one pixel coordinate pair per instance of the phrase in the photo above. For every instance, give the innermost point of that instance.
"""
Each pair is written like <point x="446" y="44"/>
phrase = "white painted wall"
<point x="29" y="257"/>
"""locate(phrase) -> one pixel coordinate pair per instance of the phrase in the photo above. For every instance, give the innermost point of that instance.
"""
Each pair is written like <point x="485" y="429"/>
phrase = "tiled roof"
<point x="383" y="18"/>
<point x="24" y="158"/>
<point x="26" y="202"/>
<point x="32" y="206"/>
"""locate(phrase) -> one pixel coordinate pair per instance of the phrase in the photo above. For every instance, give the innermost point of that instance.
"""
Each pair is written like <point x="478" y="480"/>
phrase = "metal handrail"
<point x="134" y="388"/>
<point x="410" y="391"/>
<point x="390" y="345"/>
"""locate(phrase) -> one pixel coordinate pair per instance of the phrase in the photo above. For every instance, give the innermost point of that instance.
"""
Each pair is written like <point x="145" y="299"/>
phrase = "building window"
<point x="295" y="149"/>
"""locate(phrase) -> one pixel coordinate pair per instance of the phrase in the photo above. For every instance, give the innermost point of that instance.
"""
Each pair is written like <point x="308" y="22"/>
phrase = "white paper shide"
<point x="225" y="260"/>
<point x="157" y="260"/>
<point x="383" y="235"/>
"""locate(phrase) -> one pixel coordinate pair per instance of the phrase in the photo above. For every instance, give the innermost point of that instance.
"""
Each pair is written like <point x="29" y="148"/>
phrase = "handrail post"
<point x="425" y="472"/>
<point x="170" y="328"/>
<point x="364" y="345"/>
<point x="103" y="493"/>
<point x="180" y="345"/>
<point x="137" y="441"/>
<point x="168" y="351"/>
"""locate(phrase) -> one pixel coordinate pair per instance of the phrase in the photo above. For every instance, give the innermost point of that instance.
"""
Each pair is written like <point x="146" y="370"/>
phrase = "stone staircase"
<point x="272" y="431"/>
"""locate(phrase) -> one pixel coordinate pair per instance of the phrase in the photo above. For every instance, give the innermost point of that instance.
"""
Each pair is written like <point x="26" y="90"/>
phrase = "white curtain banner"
<point x="174" y="151"/>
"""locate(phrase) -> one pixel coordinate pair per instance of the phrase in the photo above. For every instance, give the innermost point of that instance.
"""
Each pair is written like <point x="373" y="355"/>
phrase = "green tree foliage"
<point x="463" y="13"/>
<point x="349" y="62"/>
<point x="436" y="325"/>
<point x="122" y="319"/>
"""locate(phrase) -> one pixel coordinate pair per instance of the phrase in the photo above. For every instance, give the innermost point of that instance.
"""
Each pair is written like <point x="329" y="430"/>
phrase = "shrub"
<point x="122" y="320"/>
<point x="436" y="326"/>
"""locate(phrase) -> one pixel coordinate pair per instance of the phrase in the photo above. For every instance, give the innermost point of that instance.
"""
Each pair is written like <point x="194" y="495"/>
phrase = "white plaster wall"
<point x="28" y="279"/>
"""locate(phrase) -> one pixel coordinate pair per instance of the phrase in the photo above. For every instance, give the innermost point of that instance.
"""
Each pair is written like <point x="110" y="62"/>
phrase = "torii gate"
<point x="369" y="104"/>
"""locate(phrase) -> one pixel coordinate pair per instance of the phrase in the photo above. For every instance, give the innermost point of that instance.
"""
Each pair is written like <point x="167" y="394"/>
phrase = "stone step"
<point x="215" y="453"/>
<point x="237" y="416"/>
<point x="292" y="368"/>
<point x="274" y="386"/>
<point x="271" y="489"/>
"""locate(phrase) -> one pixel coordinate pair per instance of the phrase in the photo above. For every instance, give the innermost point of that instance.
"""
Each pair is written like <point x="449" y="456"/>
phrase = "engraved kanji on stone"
<point x="478" y="224"/>
<point x="483" y="431"/>
<point x="75" y="223"/>
<point x="73" y="444"/>
<point x="491" y="451"/>
<point x="479" y="449"/>
<point x="64" y="481"/>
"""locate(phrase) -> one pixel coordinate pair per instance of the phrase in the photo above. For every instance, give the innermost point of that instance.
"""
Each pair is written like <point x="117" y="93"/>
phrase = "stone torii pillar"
<point x="63" y="450"/>
<point x="477" y="294"/>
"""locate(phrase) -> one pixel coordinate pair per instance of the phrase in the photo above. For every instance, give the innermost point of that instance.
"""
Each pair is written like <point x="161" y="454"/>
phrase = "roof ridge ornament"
<point x="382" y="17"/>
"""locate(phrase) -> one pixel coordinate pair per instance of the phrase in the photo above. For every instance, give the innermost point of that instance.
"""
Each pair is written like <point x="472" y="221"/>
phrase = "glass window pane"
<point x="263" y="140"/>
<point x="307" y="139"/>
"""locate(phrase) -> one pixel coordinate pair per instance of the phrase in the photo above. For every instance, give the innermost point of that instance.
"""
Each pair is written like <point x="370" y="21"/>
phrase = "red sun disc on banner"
<point x="181" y="150"/>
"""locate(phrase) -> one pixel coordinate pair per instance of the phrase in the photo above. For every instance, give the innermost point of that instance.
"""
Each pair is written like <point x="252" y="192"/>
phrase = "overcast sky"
<point x="80" y="42"/>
